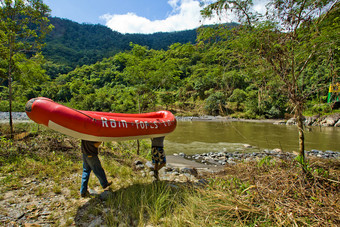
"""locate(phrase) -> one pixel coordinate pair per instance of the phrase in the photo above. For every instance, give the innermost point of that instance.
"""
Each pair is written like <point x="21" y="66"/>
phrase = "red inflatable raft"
<point x="99" y="126"/>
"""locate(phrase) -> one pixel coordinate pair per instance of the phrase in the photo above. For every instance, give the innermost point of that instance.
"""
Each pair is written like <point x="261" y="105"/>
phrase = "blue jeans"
<point x="92" y="163"/>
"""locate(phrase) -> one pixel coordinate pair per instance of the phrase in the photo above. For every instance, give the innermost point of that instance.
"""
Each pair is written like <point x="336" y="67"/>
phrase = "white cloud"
<point x="185" y="15"/>
<point x="260" y="6"/>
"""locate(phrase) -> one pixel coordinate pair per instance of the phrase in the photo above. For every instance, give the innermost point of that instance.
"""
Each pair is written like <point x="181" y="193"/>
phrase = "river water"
<point x="192" y="137"/>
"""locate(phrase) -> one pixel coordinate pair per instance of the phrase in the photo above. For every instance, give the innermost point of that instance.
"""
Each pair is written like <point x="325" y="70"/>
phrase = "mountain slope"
<point x="72" y="44"/>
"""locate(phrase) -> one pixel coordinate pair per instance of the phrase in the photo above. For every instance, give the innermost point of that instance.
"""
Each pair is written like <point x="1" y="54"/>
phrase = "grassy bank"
<point x="40" y="180"/>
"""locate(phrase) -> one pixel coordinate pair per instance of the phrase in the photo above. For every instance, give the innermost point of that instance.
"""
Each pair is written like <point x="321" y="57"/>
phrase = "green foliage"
<point x="167" y="98"/>
<point x="71" y="44"/>
<point x="215" y="103"/>
<point x="320" y="108"/>
<point x="23" y="26"/>
<point x="16" y="106"/>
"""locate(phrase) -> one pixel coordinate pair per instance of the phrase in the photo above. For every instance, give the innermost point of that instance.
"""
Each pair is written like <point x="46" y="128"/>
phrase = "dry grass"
<point x="279" y="195"/>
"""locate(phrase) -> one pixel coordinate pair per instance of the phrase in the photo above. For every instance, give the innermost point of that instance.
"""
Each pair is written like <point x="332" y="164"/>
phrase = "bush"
<point x="274" y="113"/>
<point x="320" y="108"/>
<point x="167" y="98"/>
<point x="16" y="107"/>
<point x="238" y="96"/>
<point x="215" y="103"/>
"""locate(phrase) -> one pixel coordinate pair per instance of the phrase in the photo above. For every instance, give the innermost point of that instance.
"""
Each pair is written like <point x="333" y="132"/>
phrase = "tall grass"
<point x="141" y="203"/>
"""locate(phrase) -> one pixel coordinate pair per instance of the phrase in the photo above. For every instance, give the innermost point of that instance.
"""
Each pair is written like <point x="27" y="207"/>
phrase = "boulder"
<point x="330" y="120"/>
<point x="247" y="146"/>
<point x="310" y="120"/>
<point x="277" y="150"/>
<point x="280" y="122"/>
<point x="291" y="121"/>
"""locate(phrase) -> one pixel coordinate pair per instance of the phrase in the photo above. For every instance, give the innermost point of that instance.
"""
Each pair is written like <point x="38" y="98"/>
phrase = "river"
<point x="191" y="137"/>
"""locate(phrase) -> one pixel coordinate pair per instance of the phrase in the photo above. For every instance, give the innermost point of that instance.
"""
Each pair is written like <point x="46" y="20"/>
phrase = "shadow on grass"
<point x="135" y="205"/>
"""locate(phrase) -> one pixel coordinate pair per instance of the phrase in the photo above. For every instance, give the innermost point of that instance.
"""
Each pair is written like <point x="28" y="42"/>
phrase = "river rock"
<point x="149" y="165"/>
<point x="222" y="162"/>
<point x="139" y="165"/>
<point x="330" y="120"/>
<point x="277" y="150"/>
<point x="291" y="121"/>
<point x="138" y="162"/>
<point x="280" y="122"/>
<point x="310" y="120"/>
<point x="231" y="162"/>
<point x="337" y="124"/>
<point x="191" y="171"/>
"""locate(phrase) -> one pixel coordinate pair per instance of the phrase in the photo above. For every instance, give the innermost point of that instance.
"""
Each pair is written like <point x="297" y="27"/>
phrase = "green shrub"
<point x="215" y="103"/>
<point x="16" y="106"/>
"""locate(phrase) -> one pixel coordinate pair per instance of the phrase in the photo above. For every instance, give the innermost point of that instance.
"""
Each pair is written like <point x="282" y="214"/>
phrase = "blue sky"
<point x="135" y="16"/>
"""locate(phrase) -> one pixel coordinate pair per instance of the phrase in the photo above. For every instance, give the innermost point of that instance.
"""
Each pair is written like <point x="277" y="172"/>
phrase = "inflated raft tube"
<point x="99" y="126"/>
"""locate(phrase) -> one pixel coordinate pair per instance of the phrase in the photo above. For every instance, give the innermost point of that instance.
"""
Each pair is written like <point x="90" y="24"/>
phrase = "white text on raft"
<point x="139" y="124"/>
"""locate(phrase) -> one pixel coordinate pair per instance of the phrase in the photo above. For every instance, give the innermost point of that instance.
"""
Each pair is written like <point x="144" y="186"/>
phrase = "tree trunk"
<point x="10" y="105"/>
<point x="138" y="147"/>
<point x="138" y="144"/>
<point x="10" y="85"/>
<point x="301" y="137"/>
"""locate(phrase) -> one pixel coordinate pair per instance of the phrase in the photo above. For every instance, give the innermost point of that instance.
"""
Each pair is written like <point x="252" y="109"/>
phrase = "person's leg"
<point x="85" y="176"/>
<point x="158" y="159"/>
<point x="98" y="170"/>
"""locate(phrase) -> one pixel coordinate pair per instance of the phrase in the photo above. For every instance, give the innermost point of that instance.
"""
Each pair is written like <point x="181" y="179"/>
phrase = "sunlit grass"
<point x="149" y="202"/>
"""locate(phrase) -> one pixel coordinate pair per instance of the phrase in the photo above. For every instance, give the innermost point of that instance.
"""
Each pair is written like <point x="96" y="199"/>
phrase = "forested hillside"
<point x="91" y="67"/>
<point x="71" y="44"/>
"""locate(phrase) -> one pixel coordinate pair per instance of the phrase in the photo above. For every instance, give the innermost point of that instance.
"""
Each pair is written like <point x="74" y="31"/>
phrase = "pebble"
<point x="149" y="165"/>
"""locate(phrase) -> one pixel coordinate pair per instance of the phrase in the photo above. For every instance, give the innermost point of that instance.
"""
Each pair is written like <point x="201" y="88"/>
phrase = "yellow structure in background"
<point x="333" y="88"/>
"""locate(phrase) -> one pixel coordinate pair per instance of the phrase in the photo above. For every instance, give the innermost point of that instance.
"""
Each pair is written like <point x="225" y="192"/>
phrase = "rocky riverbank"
<point x="223" y="158"/>
<point x="182" y="167"/>
<point x="16" y="116"/>
<point x="325" y="121"/>
<point x="317" y="120"/>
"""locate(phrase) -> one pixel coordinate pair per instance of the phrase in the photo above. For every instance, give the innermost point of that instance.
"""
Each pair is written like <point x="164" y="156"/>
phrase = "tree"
<point x="287" y="39"/>
<point x="23" y="26"/>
